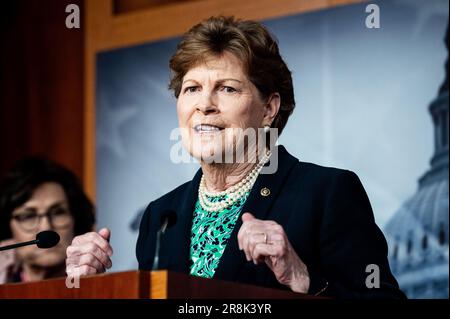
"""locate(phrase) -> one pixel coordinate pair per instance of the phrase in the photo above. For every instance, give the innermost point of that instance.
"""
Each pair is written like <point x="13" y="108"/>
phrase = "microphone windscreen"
<point x="47" y="239"/>
<point x="171" y="217"/>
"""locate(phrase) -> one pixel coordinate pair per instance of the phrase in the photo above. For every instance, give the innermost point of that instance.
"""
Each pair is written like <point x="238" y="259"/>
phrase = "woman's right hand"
<point x="8" y="262"/>
<point x="89" y="254"/>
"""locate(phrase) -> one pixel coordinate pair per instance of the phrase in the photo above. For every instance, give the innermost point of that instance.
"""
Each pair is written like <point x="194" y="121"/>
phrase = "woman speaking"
<point x="299" y="226"/>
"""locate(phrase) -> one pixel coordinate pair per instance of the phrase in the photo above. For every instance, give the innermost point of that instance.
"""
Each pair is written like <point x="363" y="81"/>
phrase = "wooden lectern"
<point x="143" y="285"/>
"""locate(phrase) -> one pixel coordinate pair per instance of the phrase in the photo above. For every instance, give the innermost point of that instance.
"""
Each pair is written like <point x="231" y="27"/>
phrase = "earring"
<point x="266" y="128"/>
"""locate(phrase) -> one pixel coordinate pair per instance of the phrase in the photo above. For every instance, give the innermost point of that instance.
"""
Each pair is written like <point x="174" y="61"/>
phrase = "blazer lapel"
<point x="258" y="203"/>
<point x="180" y="239"/>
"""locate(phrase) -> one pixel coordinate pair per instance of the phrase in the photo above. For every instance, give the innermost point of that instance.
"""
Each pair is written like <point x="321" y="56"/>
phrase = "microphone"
<point x="167" y="220"/>
<point x="44" y="239"/>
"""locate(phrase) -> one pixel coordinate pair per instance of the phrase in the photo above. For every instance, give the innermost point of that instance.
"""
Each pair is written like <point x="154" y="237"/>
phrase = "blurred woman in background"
<point x="37" y="195"/>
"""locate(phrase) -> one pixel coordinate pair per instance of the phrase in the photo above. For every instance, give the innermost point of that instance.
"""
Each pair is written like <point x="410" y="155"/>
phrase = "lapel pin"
<point x="265" y="192"/>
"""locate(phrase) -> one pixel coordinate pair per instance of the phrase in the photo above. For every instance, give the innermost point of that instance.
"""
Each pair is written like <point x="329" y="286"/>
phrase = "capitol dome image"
<point x="418" y="232"/>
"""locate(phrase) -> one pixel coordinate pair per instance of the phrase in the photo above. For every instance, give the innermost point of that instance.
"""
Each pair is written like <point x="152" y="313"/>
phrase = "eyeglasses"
<point x="58" y="217"/>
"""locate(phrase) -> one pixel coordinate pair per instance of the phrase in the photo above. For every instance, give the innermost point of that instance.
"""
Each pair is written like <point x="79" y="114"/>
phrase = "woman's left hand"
<point x="266" y="241"/>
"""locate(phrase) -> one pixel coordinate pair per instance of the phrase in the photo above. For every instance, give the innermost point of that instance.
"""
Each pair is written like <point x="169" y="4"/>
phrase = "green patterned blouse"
<point x="209" y="236"/>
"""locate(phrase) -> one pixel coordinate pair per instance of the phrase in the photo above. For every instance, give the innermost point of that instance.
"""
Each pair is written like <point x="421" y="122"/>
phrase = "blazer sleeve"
<point x="144" y="247"/>
<point x="349" y="242"/>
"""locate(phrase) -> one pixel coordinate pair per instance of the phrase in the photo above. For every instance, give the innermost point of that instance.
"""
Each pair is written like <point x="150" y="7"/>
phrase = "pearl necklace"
<point x="232" y="194"/>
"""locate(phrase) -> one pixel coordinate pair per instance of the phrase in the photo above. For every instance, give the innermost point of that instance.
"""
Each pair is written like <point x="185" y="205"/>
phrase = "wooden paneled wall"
<point x="41" y="97"/>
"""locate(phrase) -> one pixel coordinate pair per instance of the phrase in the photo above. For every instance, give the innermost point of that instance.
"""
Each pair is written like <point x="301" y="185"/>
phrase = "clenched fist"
<point x="89" y="254"/>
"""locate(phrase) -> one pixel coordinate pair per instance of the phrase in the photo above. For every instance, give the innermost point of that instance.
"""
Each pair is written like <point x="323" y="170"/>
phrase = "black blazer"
<point x="325" y="213"/>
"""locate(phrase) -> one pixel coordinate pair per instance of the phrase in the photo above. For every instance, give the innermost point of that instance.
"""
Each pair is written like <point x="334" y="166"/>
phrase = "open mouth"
<point x="207" y="128"/>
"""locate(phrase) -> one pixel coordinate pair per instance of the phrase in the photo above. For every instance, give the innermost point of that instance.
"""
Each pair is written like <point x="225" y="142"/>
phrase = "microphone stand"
<point x="31" y="242"/>
<point x="159" y="235"/>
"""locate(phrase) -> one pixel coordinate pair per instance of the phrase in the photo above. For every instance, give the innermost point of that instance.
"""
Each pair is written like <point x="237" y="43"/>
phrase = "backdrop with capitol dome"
<point x="371" y="100"/>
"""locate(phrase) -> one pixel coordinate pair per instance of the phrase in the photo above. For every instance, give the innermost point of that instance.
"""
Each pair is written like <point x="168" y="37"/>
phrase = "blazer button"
<point x="265" y="191"/>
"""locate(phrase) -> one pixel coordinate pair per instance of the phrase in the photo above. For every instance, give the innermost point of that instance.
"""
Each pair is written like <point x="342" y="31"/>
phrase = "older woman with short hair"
<point x="304" y="227"/>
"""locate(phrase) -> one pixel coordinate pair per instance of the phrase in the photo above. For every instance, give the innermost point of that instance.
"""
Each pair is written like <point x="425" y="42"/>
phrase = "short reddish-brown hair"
<point x="252" y="44"/>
